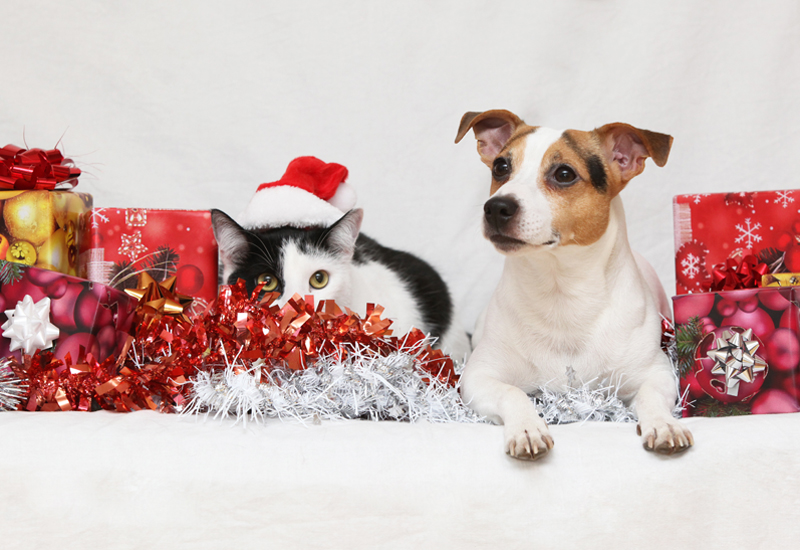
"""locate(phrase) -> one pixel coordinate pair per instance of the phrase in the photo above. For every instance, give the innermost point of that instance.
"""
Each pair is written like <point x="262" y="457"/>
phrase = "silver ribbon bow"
<point x="735" y="357"/>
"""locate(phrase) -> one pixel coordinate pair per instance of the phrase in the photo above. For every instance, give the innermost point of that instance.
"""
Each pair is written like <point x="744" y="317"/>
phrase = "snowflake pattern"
<point x="747" y="233"/>
<point x="132" y="245"/>
<point x="97" y="215"/>
<point x="691" y="266"/>
<point x="783" y="198"/>
<point x="698" y="197"/>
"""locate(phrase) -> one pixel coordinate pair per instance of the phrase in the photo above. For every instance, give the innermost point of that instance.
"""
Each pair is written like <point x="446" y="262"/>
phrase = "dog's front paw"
<point x="666" y="436"/>
<point x="528" y="440"/>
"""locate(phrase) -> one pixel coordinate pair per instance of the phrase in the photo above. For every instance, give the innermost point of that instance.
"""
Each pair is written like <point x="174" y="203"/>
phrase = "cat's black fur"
<point x="425" y="284"/>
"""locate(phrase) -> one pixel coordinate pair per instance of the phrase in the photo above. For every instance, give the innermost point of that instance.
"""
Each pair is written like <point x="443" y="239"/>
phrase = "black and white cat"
<point x="336" y="262"/>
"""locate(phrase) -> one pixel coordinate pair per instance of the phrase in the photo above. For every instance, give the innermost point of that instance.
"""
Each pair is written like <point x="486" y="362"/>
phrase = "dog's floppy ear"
<point x="626" y="148"/>
<point x="492" y="130"/>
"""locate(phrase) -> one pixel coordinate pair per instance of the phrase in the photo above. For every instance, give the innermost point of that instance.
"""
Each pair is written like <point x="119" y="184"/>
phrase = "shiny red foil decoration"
<point x="35" y="168"/>
<point x="667" y="333"/>
<point x="292" y="336"/>
<point x="86" y="384"/>
<point x="733" y="275"/>
<point x="165" y="351"/>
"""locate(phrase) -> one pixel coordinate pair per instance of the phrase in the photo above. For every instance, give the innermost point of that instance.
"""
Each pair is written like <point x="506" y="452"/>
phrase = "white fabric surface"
<point x="146" y="480"/>
<point x="192" y="104"/>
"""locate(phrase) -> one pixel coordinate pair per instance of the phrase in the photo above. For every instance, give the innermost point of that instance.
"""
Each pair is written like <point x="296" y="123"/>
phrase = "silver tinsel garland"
<point x="358" y="384"/>
<point x="593" y="400"/>
<point x="12" y="390"/>
<point x="365" y="385"/>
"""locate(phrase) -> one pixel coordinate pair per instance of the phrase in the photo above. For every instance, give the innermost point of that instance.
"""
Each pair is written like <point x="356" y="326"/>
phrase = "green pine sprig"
<point x="163" y="264"/>
<point x="708" y="406"/>
<point x="10" y="272"/>
<point x="687" y="338"/>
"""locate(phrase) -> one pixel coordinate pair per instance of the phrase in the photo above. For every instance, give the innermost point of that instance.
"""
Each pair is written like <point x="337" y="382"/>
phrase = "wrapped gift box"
<point x="90" y="317"/>
<point x="120" y="243"/>
<point x="710" y="228"/>
<point x="42" y="228"/>
<point x="717" y="384"/>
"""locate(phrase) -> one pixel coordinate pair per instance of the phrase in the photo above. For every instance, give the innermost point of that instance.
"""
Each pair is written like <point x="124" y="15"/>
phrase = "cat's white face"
<point x="326" y="276"/>
<point x="288" y="260"/>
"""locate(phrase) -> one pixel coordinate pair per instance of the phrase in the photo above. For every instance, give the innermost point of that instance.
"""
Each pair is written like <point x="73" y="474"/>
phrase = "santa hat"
<point x="311" y="192"/>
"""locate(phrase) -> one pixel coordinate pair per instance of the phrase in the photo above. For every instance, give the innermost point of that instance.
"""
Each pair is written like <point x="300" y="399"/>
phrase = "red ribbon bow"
<point x="733" y="275"/>
<point x="35" y="169"/>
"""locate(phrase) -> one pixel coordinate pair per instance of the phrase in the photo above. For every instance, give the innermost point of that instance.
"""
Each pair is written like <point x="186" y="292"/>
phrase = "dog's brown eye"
<point x="501" y="168"/>
<point x="565" y="175"/>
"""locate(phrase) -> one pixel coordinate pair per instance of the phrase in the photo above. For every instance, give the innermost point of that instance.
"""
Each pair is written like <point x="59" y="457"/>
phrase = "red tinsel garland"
<point x="167" y="350"/>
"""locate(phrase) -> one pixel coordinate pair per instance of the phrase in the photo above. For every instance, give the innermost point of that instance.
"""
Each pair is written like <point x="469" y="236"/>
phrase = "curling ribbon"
<point x="732" y="275"/>
<point x="24" y="169"/>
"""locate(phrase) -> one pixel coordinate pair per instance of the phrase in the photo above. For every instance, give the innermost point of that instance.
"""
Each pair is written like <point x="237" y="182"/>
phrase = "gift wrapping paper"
<point x="42" y="228"/>
<point x="120" y="243"/>
<point x="90" y="317"/>
<point x="717" y="382"/>
<point x="710" y="228"/>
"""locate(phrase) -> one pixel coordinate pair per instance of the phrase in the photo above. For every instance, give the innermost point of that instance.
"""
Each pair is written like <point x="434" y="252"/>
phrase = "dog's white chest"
<point x="581" y="323"/>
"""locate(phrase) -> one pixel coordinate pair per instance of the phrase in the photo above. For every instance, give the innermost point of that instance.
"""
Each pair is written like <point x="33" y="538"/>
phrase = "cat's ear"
<point x="342" y="235"/>
<point x="231" y="239"/>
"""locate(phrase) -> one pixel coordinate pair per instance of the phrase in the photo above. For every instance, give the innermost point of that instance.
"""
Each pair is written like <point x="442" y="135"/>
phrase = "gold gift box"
<point x="41" y="228"/>
<point x="780" y="279"/>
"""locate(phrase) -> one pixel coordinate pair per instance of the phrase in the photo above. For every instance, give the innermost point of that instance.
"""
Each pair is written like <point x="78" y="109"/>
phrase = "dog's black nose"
<point x="499" y="210"/>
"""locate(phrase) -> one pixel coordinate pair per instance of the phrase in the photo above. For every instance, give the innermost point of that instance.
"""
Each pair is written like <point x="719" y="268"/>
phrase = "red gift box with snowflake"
<point x="712" y="228"/>
<point x="739" y="351"/>
<point x="121" y="243"/>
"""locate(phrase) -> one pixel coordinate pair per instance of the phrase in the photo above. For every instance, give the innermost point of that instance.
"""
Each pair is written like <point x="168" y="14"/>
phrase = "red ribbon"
<point x="733" y="275"/>
<point x="24" y="169"/>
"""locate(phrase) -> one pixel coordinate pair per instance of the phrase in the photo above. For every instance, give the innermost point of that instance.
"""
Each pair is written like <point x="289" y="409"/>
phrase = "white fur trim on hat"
<point x="286" y="205"/>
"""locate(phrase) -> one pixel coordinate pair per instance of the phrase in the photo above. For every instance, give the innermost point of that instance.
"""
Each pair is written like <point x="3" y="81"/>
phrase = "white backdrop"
<point x="191" y="104"/>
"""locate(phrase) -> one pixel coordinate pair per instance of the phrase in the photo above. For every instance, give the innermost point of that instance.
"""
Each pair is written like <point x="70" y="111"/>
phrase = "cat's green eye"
<point x="319" y="279"/>
<point x="269" y="280"/>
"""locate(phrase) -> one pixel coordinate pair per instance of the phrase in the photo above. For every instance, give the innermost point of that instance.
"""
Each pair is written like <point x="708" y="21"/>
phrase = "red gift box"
<point x="710" y="228"/>
<point x="90" y="317"/>
<point x="120" y="243"/>
<point x="726" y="369"/>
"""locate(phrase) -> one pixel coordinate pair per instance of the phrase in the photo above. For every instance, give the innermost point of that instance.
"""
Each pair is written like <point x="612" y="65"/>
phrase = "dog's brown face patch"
<point x="576" y="179"/>
<point x="557" y="187"/>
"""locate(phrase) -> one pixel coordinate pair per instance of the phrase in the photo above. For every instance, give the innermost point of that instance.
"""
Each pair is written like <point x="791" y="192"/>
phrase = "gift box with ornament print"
<point x="45" y="309"/>
<point x="739" y="351"/>
<point x="120" y="243"/>
<point x="42" y="228"/>
<point x="712" y="228"/>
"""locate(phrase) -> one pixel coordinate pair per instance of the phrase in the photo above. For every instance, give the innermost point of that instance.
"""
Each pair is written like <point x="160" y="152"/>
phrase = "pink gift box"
<point x="773" y="316"/>
<point x="88" y="315"/>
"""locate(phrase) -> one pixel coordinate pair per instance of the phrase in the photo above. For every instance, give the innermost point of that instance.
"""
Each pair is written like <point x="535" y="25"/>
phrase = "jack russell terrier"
<point x="572" y="293"/>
